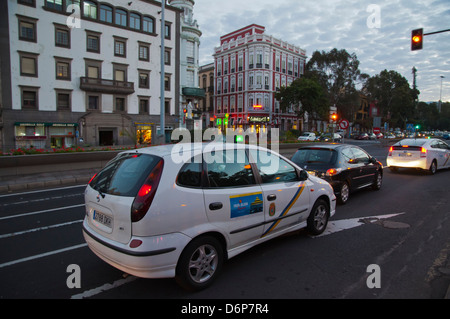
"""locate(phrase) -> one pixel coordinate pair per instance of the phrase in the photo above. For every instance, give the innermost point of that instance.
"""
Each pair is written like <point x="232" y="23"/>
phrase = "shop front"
<point x="45" y="135"/>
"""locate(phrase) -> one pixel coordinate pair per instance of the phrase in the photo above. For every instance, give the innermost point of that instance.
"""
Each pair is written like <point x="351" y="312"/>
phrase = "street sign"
<point x="343" y="124"/>
<point x="376" y="130"/>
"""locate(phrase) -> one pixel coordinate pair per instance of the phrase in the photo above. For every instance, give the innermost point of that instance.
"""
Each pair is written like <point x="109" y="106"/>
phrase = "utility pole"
<point x="162" y="102"/>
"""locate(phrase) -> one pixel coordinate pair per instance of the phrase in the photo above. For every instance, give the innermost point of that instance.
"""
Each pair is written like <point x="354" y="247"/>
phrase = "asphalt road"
<point x="403" y="229"/>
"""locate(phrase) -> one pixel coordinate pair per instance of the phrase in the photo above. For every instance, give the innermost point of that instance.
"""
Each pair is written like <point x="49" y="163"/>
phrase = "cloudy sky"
<point x="377" y="31"/>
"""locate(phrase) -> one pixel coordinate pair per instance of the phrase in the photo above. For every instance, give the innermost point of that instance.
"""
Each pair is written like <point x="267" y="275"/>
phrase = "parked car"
<point x="346" y="167"/>
<point x="427" y="154"/>
<point x="446" y="136"/>
<point x="362" y="136"/>
<point x="154" y="213"/>
<point x="307" y="136"/>
<point x="379" y="135"/>
<point x="330" y="137"/>
<point x="372" y="136"/>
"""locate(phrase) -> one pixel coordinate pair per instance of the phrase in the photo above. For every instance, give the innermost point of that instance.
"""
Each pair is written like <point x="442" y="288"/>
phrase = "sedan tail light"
<point x="423" y="152"/>
<point x="390" y="151"/>
<point x="146" y="193"/>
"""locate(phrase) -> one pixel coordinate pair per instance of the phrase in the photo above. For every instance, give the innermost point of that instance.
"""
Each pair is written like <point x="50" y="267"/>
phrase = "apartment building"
<point x="86" y="72"/>
<point x="250" y="67"/>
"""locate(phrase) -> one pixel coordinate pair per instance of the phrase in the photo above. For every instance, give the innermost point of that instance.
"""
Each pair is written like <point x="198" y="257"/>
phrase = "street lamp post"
<point x="162" y="102"/>
<point x="440" y="96"/>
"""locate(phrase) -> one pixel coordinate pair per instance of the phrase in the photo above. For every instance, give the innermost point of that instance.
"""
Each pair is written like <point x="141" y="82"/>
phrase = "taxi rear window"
<point x="125" y="174"/>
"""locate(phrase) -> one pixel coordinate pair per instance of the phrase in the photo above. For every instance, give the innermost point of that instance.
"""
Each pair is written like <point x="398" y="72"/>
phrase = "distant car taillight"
<point x="145" y="196"/>
<point x="390" y="151"/>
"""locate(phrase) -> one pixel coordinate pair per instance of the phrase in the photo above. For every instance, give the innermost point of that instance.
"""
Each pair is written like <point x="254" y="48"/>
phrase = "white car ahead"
<point x="427" y="154"/>
<point x="154" y="213"/>
<point x="306" y="136"/>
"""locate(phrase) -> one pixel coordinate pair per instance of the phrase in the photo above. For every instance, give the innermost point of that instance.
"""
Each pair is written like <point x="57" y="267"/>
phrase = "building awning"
<point x="196" y="92"/>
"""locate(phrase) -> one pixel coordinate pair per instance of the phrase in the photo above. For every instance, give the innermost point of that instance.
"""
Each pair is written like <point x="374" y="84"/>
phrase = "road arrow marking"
<point x="335" y="226"/>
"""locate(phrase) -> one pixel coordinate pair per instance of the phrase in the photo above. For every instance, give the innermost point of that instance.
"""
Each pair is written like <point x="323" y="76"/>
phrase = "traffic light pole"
<point x="436" y="32"/>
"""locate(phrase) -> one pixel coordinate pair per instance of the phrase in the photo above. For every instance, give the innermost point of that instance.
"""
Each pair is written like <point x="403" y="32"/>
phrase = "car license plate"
<point x="102" y="219"/>
<point x="404" y="154"/>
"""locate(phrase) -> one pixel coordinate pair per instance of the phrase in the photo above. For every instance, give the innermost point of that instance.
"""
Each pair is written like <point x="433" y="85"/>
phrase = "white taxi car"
<point x="154" y="213"/>
<point x="427" y="154"/>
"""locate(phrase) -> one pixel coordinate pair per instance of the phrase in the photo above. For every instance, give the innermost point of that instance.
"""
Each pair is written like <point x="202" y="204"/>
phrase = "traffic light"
<point x="416" y="39"/>
<point x="333" y="117"/>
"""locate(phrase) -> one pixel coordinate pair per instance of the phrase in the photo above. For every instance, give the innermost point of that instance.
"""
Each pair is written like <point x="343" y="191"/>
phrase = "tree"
<point x="393" y="95"/>
<point x="338" y="73"/>
<point x="309" y="94"/>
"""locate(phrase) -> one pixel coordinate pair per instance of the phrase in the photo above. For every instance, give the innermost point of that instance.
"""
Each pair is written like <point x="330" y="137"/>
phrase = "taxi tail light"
<point x="146" y="193"/>
<point x="333" y="171"/>
<point x="423" y="152"/>
<point x="390" y="151"/>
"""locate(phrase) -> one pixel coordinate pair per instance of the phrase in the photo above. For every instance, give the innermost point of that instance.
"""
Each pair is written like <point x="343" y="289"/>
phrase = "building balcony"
<point x="106" y="86"/>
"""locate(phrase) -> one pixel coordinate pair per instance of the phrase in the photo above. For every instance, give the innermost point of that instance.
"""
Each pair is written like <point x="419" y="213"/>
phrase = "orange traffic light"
<point x="334" y="117"/>
<point x="416" y="39"/>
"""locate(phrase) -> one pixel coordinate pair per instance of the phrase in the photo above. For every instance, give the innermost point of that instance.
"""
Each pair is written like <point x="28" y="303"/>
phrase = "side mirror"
<point x="302" y="175"/>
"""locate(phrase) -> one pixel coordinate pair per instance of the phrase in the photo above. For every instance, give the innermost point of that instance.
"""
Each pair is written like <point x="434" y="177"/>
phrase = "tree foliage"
<point x="393" y="95"/>
<point x="306" y="92"/>
<point x="338" y="73"/>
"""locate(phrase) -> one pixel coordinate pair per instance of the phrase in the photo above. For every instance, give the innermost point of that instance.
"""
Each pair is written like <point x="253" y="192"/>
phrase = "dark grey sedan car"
<point x="346" y="167"/>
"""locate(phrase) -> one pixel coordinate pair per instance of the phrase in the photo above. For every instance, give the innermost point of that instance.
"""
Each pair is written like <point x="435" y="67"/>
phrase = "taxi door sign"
<point x="246" y="204"/>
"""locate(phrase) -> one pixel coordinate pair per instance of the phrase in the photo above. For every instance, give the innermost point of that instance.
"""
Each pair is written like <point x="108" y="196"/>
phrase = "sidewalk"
<point x="23" y="183"/>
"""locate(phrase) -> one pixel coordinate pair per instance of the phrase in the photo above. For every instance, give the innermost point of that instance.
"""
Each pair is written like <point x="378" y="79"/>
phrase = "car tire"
<point x="344" y="194"/>
<point x="378" y="181"/>
<point x="318" y="218"/>
<point x="433" y="167"/>
<point x="393" y="169"/>
<point x="199" y="263"/>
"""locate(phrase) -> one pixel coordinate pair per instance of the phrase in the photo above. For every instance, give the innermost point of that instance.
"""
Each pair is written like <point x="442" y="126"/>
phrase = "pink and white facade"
<point x="250" y="67"/>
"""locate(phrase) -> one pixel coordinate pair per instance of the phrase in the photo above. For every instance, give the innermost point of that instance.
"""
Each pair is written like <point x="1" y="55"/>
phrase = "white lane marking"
<point x="41" y="211"/>
<point x="42" y="190"/>
<point x="105" y="287"/>
<point x="39" y="229"/>
<point x="343" y="224"/>
<point x="53" y="252"/>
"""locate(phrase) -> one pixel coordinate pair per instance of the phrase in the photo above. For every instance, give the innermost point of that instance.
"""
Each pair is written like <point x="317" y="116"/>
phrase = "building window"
<point x="120" y="48"/>
<point x="28" y="64"/>
<point x="135" y="21"/>
<point x="70" y="3"/>
<point x="167" y="56"/>
<point x="167" y="83"/>
<point x="106" y="13"/>
<point x="29" y="97"/>
<point x="120" y="104"/>
<point x="167" y="33"/>
<point x="144" y="79"/>
<point x="31" y="3"/>
<point x="62" y="36"/>
<point x="121" y="18"/>
<point x="144" y="50"/>
<point x="143" y="106"/>
<point x="93" y="102"/>
<point x="148" y="24"/>
<point x="54" y="4"/>
<point x="120" y="72"/>
<point x="63" y="99"/>
<point x="63" y="69"/>
<point x="93" y="69"/>
<point x="27" y="29"/>
<point x="89" y="9"/>
<point x="93" y="42"/>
